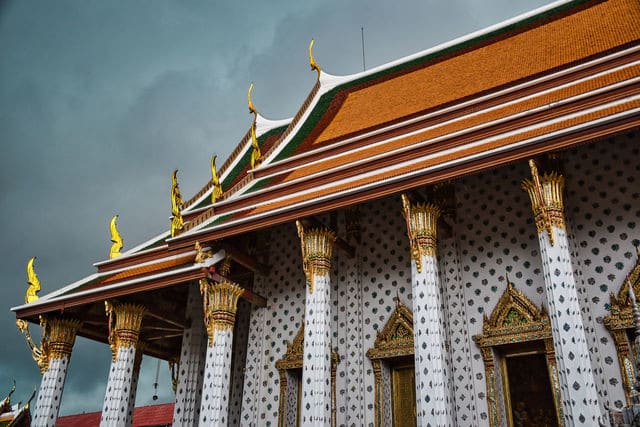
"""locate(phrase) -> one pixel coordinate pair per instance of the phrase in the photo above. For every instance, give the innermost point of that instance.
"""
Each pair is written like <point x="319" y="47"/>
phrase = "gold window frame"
<point x="293" y="360"/>
<point x="619" y="322"/>
<point x="394" y="341"/>
<point x="515" y="320"/>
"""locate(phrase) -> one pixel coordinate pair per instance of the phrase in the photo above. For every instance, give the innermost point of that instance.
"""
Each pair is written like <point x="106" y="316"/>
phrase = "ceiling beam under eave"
<point x="244" y="259"/>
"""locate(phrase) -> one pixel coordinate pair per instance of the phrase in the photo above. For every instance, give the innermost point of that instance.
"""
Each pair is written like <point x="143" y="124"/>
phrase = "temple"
<point x="446" y="239"/>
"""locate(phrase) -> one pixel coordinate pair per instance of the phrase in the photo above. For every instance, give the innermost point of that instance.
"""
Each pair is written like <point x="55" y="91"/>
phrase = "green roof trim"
<point x="323" y="103"/>
<point x="218" y="221"/>
<point x="258" y="184"/>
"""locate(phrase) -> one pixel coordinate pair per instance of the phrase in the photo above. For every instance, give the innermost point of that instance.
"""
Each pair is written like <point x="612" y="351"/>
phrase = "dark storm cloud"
<point x="100" y="101"/>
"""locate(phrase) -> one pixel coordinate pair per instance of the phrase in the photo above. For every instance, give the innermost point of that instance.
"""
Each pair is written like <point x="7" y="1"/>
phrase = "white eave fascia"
<point x="217" y="257"/>
<point x="443" y="165"/>
<point x="328" y="82"/>
<point x="52" y="295"/>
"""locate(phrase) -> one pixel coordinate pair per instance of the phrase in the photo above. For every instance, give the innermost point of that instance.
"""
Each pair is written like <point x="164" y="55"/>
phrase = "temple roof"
<point x="531" y="84"/>
<point x="153" y="274"/>
<point x="546" y="80"/>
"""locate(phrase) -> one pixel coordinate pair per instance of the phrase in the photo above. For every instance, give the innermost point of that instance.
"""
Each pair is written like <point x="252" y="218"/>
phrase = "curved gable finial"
<point x="252" y="107"/>
<point x="312" y="61"/>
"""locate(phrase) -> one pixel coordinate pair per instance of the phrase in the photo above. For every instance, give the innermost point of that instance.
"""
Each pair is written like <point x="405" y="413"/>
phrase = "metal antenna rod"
<point x="364" y="67"/>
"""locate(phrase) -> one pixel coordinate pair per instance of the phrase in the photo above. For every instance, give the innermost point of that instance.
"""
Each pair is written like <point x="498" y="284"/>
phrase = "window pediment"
<point x="396" y="338"/>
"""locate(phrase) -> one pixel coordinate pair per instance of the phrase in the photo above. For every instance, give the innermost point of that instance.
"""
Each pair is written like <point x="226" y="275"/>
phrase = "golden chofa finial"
<point x="312" y="61"/>
<point x="176" y="206"/>
<point x="216" y="192"/>
<point x="116" y="239"/>
<point x="34" y="283"/>
<point x="252" y="108"/>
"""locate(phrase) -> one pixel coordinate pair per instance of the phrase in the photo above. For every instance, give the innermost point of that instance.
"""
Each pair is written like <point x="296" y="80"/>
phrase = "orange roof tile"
<point x="157" y="267"/>
<point x="575" y="37"/>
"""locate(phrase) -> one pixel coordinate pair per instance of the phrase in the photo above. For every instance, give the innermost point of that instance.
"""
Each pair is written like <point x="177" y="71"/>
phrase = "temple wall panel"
<point x="253" y="371"/>
<point x="493" y="235"/>
<point x="273" y="326"/>
<point x="339" y="329"/>
<point x="603" y="211"/>
<point x="460" y="343"/>
<point x="240" y="336"/>
<point x="386" y="274"/>
<point x="496" y="237"/>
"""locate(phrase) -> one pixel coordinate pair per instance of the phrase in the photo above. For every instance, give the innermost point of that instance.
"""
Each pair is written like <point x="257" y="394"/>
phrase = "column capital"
<point x="422" y="226"/>
<point x="124" y="321"/>
<point x="317" y="249"/>
<point x="547" y="204"/>
<point x="62" y="336"/>
<point x="220" y="303"/>
<point x="57" y="337"/>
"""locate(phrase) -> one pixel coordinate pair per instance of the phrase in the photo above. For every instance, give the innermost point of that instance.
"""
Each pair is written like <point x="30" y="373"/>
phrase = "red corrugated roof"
<point x="143" y="416"/>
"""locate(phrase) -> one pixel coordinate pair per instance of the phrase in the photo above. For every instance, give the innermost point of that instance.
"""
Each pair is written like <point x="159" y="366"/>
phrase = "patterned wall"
<point x="496" y="237"/>
<point x="603" y="205"/>
<point x="493" y="236"/>
<point x="273" y="326"/>
<point x="240" y="335"/>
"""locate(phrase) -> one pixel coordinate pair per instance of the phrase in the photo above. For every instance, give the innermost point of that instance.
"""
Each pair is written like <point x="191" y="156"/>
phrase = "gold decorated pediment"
<point x="514" y="319"/>
<point x="619" y="321"/>
<point x="396" y="337"/>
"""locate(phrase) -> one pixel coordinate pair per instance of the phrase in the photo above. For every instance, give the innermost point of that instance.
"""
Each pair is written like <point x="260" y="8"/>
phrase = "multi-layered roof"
<point x="558" y="76"/>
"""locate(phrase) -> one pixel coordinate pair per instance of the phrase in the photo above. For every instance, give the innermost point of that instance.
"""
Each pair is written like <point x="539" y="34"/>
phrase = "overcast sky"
<point x="101" y="100"/>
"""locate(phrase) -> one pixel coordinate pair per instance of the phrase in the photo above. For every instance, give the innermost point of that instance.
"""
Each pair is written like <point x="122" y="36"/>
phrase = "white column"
<point x="317" y="247"/>
<point x="134" y="382"/>
<point x="190" y="370"/>
<point x="220" y="302"/>
<point x="577" y="384"/>
<point x="62" y="335"/>
<point x="124" y="329"/>
<point x="432" y="388"/>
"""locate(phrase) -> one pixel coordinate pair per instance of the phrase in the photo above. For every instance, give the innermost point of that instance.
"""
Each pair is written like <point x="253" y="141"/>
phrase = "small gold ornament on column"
<point x="317" y="247"/>
<point x="422" y="227"/>
<point x="545" y="193"/>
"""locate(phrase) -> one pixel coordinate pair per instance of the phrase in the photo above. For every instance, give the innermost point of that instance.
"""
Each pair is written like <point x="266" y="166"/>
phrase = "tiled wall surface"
<point x="493" y="236"/>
